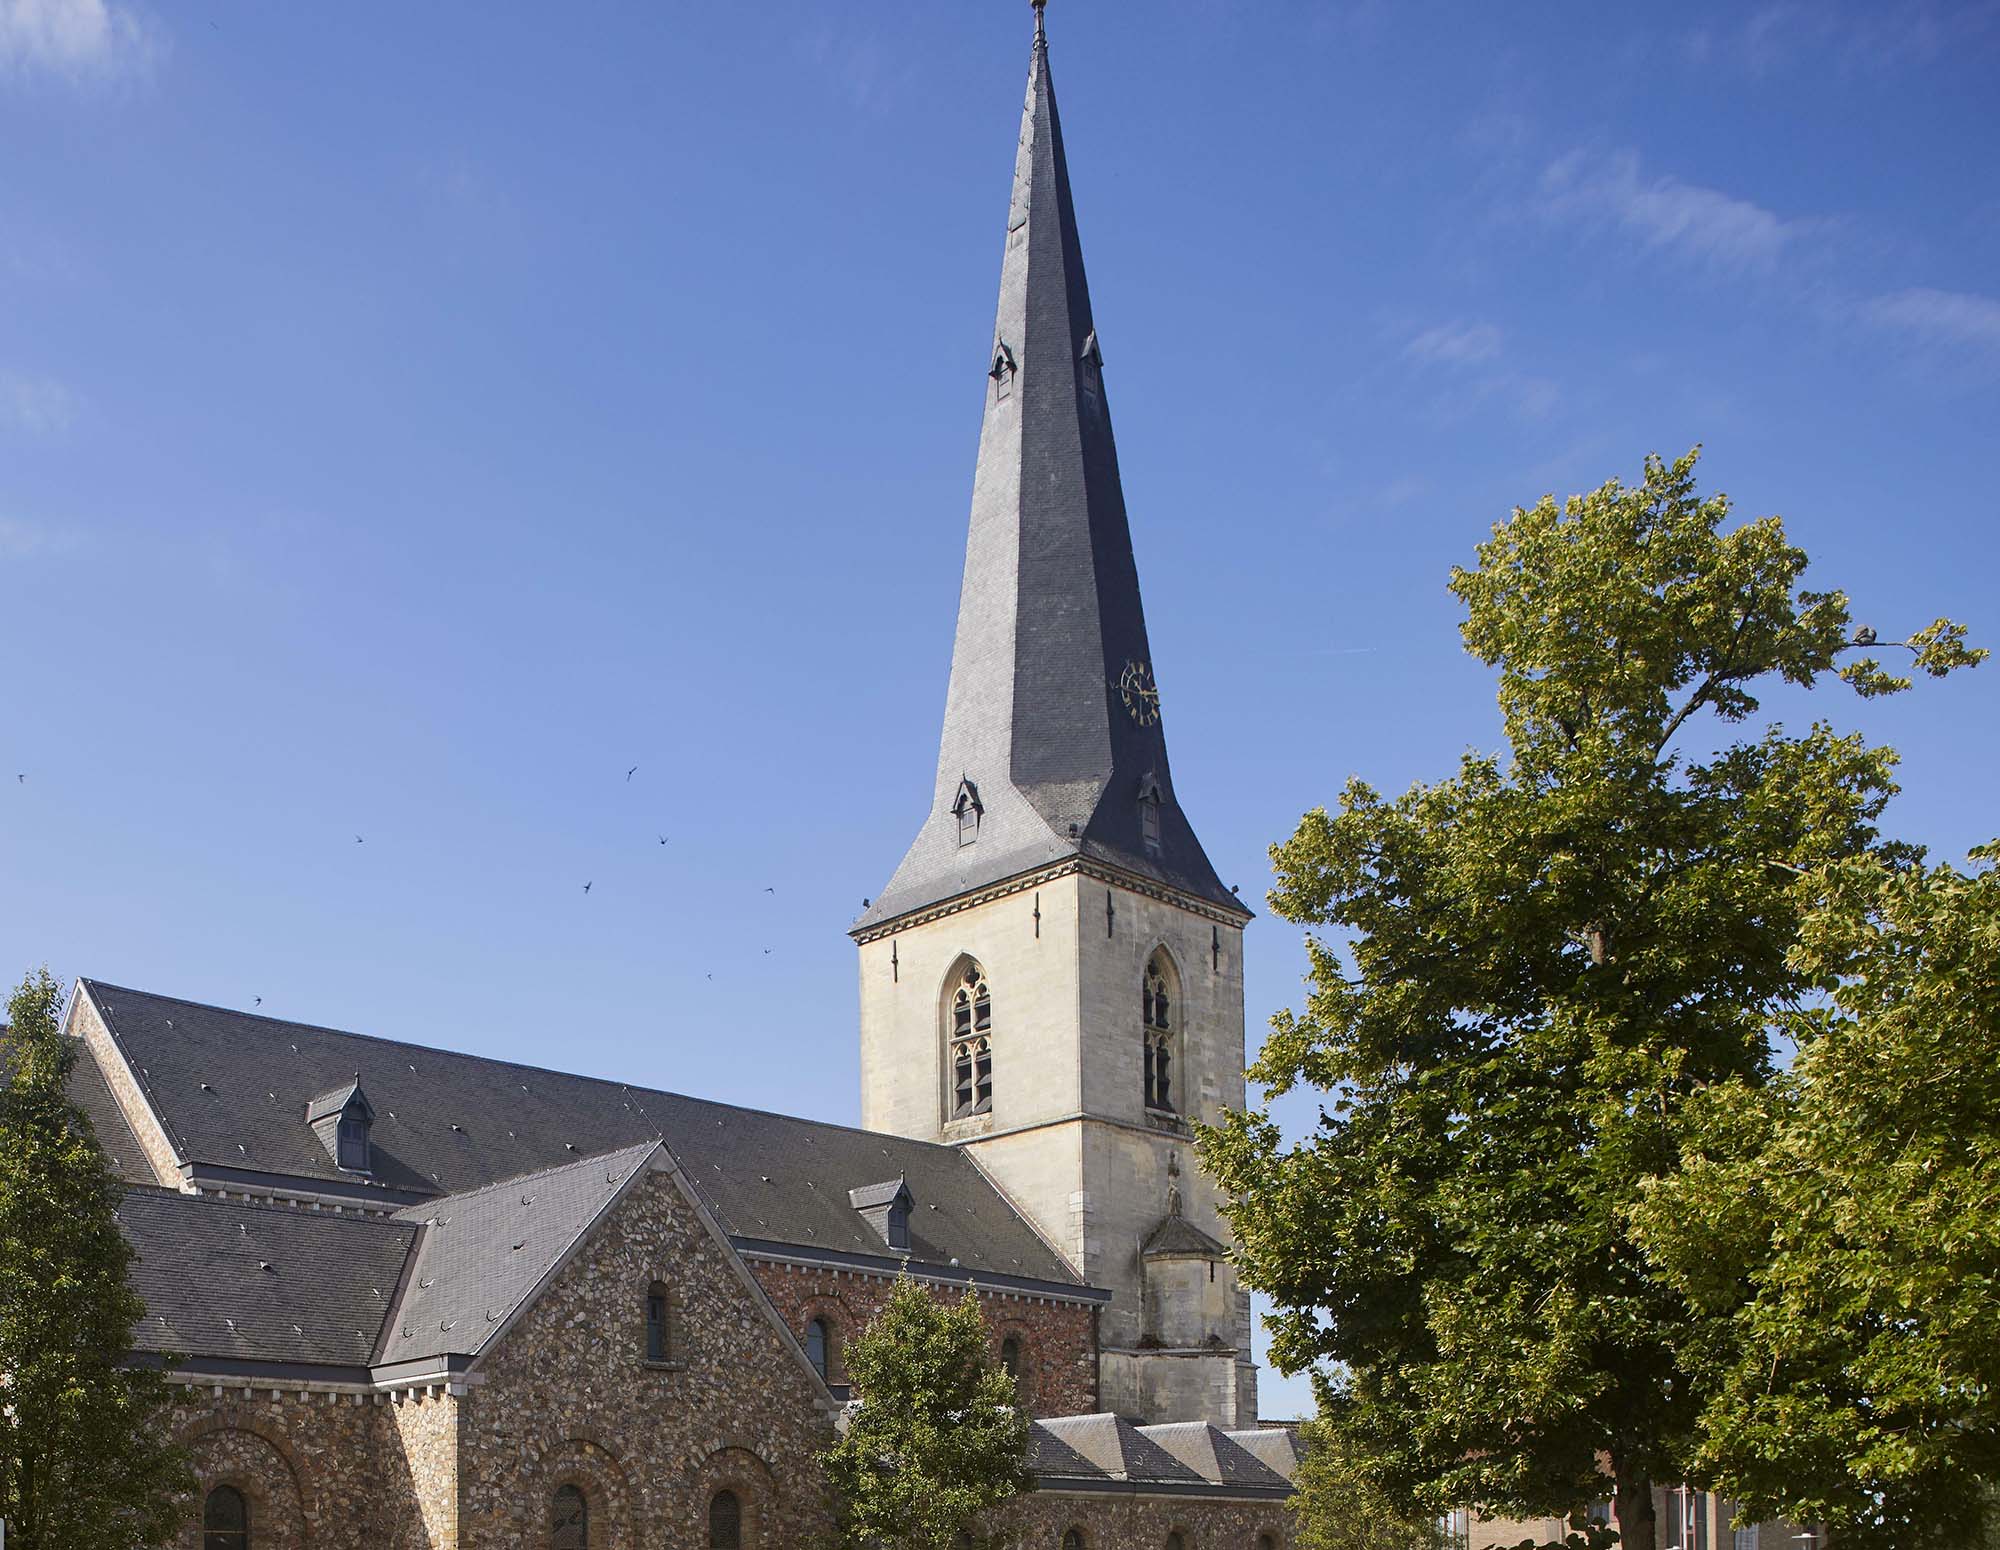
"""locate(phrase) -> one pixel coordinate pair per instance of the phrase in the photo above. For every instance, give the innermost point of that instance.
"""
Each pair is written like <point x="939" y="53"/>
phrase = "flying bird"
<point x="257" y="1000"/>
<point x="631" y="772"/>
<point x="586" y="887"/>
<point x="663" y="839"/>
<point x="770" y="890"/>
<point x="357" y="839"/>
<point x="22" y="779"/>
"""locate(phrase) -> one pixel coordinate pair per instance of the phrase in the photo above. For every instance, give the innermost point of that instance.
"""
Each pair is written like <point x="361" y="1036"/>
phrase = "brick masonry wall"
<point x="319" y="1470"/>
<point x="569" y="1399"/>
<point x="1121" y="1522"/>
<point x="1058" y="1342"/>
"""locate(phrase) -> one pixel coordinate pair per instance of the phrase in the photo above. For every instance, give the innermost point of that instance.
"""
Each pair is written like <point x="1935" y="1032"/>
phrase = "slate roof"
<point x="483" y="1252"/>
<point x="1116" y="1447"/>
<point x="91" y="1093"/>
<point x="1211" y="1453"/>
<point x="224" y="1278"/>
<point x="447" y="1122"/>
<point x="1049" y="612"/>
<point x="1276" y="1447"/>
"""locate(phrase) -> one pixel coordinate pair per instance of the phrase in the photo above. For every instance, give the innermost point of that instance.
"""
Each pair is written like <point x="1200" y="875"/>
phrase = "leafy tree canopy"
<point x="1841" y="1229"/>
<point x="1549" y="952"/>
<point x="936" y="1439"/>
<point x="84" y="1457"/>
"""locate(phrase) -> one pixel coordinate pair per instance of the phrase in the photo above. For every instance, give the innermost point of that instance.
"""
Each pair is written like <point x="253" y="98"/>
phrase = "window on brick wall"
<point x="1073" y="1540"/>
<point x="725" y="1521"/>
<point x="1010" y="1356"/>
<point x="819" y="1346"/>
<point x="1176" y="1540"/>
<point x="969" y="1035"/>
<point x="225" y="1520"/>
<point x="569" y="1520"/>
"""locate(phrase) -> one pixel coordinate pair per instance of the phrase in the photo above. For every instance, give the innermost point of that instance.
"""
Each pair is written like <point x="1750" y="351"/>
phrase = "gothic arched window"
<point x="225" y="1520"/>
<point x="569" y="1520"/>
<point x="971" y="1043"/>
<point x="1010" y="1356"/>
<point x="657" y="1332"/>
<point x="818" y="1344"/>
<point x="1158" y="1002"/>
<point x="725" y="1521"/>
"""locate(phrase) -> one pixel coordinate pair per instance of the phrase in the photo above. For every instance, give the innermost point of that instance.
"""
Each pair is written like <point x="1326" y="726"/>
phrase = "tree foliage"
<point x="84" y="1457"/>
<point x="1549" y="952"/>
<point x="937" y="1438"/>
<point x="1337" y="1507"/>
<point x="1841" y="1229"/>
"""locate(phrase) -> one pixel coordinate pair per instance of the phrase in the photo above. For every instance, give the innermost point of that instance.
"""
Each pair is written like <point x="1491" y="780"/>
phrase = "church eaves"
<point x="1052" y="715"/>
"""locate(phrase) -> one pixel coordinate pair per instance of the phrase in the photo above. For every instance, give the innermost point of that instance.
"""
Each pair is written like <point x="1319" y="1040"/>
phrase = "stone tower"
<point x="1053" y="978"/>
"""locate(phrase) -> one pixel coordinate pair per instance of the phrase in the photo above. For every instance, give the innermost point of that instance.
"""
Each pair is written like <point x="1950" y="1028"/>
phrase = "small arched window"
<point x="1010" y="1356"/>
<point x="1176" y="1540"/>
<point x="818" y="1343"/>
<point x="657" y="1332"/>
<point x="1266" y="1542"/>
<point x="1157" y="997"/>
<point x="569" y="1520"/>
<point x="971" y="1038"/>
<point x="225" y="1520"/>
<point x="1073" y="1540"/>
<point x="725" y="1521"/>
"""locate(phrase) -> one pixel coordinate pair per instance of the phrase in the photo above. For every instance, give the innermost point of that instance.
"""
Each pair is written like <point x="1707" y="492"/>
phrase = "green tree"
<point x="1549" y="952"/>
<point x="1338" y="1508"/>
<point x="1841" y="1228"/>
<point x="85" y="1463"/>
<point x="937" y="1438"/>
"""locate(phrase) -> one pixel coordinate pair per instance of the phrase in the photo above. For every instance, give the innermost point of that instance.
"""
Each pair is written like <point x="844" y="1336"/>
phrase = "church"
<point x="416" y="1299"/>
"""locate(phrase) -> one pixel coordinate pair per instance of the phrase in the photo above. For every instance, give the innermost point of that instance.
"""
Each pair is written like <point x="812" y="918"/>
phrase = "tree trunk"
<point x="1638" y="1529"/>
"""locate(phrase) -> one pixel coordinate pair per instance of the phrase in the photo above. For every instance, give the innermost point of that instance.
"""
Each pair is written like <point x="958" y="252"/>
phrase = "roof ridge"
<point x="515" y="1180"/>
<point x="517" y="1065"/>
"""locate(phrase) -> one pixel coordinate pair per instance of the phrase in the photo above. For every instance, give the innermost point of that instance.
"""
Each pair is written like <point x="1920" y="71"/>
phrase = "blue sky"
<point x="412" y="418"/>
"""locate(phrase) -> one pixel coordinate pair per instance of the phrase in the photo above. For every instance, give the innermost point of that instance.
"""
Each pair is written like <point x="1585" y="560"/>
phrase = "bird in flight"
<point x="663" y="839"/>
<point x="770" y="890"/>
<point x="22" y="779"/>
<point x="631" y="772"/>
<point x="357" y="839"/>
<point x="258" y="1000"/>
<point x="586" y="887"/>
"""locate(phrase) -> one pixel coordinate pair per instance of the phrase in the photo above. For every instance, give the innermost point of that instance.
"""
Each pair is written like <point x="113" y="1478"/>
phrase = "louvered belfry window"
<point x="1157" y="1020"/>
<point x="971" y="1045"/>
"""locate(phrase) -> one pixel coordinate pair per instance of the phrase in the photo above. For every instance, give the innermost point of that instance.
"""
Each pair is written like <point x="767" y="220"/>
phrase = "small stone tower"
<point x="1053" y="978"/>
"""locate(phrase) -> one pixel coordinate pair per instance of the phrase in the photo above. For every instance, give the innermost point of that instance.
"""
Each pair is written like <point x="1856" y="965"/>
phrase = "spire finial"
<point x="1040" y="6"/>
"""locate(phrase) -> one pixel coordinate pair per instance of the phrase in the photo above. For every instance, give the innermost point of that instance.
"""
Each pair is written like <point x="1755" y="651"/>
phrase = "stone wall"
<point x="133" y="1102"/>
<point x="1121" y="1521"/>
<point x="1057" y="1340"/>
<point x="320" y="1469"/>
<point x="569" y="1399"/>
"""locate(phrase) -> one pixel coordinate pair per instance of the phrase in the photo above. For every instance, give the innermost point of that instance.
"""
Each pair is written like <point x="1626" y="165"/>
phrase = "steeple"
<point x="1054" y="745"/>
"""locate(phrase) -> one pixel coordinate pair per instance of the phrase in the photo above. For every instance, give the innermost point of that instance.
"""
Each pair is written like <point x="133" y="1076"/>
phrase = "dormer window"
<point x="1149" y="814"/>
<point x="966" y="808"/>
<point x="1002" y="371"/>
<point x="1090" y="366"/>
<point x="341" y="1118"/>
<point x="886" y="1208"/>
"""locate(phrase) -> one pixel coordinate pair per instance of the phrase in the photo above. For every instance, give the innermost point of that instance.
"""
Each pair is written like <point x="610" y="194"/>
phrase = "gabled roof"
<point x="482" y="1254"/>
<point x="335" y="1101"/>
<point x="1049" y="617"/>
<point x="233" y="1086"/>
<point x="1211" y="1453"/>
<point x="254" y="1283"/>
<point x="1276" y="1447"/>
<point x="1116" y="1447"/>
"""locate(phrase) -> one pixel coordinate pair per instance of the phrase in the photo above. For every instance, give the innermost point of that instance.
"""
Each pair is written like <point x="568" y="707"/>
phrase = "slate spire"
<point x="1053" y="743"/>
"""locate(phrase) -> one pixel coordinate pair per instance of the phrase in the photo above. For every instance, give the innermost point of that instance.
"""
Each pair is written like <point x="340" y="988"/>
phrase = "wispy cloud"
<point x="21" y="539"/>
<point x="74" y="38"/>
<point x="1455" y="344"/>
<point x="37" y="406"/>
<point x="1943" y="317"/>
<point x="1703" y="224"/>
<point x="1886" y="35"/>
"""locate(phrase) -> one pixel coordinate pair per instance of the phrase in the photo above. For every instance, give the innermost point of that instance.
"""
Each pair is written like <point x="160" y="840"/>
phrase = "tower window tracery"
<point x="1158" y="999"/>
<point x="971" y="1044"/>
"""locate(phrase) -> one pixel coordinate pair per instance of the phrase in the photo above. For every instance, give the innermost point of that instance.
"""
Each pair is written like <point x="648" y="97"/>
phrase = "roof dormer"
<point x="341" y="1119"/>
<point x="886" y="1208"/>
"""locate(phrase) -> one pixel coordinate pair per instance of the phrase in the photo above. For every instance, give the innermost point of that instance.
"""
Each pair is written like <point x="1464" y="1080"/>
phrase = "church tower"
<point x="1053" y="978"/>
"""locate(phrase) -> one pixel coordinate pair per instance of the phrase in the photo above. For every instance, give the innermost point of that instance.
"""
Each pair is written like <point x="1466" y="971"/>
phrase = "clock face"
<point x="1141" y="695"/>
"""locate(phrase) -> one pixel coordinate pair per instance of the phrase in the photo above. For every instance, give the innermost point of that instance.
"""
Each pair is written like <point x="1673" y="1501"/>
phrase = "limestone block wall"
<point x="1124" y="1521"/>
<point x="320" y="1469"/>
<point x="1058" y="1374"/>
<point x="569" y="1399"/>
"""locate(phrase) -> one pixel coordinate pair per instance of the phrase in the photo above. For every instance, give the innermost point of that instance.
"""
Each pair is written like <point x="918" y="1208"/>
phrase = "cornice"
<point x="1020" y="882"/>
